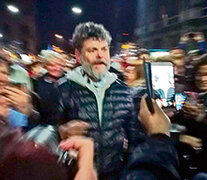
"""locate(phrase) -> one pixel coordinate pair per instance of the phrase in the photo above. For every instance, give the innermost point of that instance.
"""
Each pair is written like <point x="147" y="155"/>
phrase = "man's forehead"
<point x="93" y="42"/>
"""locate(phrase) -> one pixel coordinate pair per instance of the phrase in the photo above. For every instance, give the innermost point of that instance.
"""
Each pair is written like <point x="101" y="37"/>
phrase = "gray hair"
<point x="89" y="30"/>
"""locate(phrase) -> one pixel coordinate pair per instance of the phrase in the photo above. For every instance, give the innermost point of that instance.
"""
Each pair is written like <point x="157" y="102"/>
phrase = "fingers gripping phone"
<point x="148" y="80"/>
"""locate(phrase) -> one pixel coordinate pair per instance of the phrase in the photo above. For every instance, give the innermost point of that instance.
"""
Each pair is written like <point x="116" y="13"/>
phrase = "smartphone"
<point x="163" y="81"/>
<point x="179" y="101"/>
<point x="148" y="80"/>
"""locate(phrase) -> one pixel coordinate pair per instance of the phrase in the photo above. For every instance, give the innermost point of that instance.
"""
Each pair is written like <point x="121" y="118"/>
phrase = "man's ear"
<point x="77" y="56"/>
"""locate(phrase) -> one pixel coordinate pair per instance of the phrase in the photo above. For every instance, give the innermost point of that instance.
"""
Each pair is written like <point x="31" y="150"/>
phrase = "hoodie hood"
<point x="98" y="88"/>
<point x="80" y="77"/>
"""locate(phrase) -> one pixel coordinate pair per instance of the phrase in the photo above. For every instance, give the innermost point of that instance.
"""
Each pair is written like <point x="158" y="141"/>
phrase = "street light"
<point x="58" y="36"/>
<point x="1" y="35"/>
<point x="13" y="9"/>
<point x="76" y="10"/>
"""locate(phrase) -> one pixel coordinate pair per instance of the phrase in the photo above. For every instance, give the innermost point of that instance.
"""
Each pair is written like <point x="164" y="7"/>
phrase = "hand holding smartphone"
<point x="156" y="122"/>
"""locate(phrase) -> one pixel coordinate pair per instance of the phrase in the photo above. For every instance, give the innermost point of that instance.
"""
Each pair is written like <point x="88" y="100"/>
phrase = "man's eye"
<point x="105" y="49"/>
<point x="91" y="50"/>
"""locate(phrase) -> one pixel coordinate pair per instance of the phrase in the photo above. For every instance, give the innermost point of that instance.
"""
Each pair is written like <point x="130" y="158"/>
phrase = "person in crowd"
<point x="15" y="97"/>
<point x="133" y="74"/>
<point x="47" y="88"/>
<point x="193" y="40"/>
<point x="193" y="116"/>
<point x="177" y="57"/>
<point x="17" y="72"/>
<point x="23" y="159"/>
<point x="196" y="102"/>
<point x="143" y="163"/>
<point x="35" y="71"/>
<point x="134" y="71"/>
<point x="97" y="97"/>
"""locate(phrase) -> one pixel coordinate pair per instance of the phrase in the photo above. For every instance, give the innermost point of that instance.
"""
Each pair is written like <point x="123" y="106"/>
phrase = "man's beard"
<point x="88" y="68"/>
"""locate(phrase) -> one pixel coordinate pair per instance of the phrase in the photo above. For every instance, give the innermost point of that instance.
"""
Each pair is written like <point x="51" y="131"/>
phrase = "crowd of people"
<point x="89" y="120"/>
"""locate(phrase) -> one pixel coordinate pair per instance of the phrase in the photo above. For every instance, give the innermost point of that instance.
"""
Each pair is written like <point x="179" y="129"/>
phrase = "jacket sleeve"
<point x="155" y="158"/>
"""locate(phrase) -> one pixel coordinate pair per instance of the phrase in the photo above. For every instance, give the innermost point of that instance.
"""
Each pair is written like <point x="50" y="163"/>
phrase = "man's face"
<point x="201" y="78"/>
<point x="94" y="58"/>
<point x="4" y="74"/>
<point x="54" y="67"/>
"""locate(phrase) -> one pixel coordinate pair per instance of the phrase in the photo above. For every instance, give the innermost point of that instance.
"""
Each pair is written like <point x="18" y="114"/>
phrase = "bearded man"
<point x="99" y="99"/>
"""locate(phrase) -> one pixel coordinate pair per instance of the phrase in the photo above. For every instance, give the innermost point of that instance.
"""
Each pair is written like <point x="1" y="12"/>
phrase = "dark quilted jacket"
<point x="119" y="123"/>
<point x="49" y="97"/>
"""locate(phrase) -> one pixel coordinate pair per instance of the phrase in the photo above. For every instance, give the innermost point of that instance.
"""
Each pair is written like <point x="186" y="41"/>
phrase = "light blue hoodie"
<point x="98" y="88"/>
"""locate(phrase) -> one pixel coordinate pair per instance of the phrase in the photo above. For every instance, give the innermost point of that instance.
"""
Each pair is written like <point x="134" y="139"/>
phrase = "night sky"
<point x="55" y="16"/>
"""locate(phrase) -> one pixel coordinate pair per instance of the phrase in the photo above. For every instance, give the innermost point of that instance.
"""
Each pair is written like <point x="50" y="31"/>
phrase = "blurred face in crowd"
<point x="177" y="53"/>
<point x="4" y="78"/>
<point x="130" y="74"/>
<point x="125" y="55"/>
<point x="177" y="56"/>
<point x="36" y="70"/>
<point x="4" y="75"/>
<point x="201" y="78"/>
<point x="54" y="67"/>
<point x="179" y="67"/>
<point x="94" y="58"/>
<point x="4" y="107"/>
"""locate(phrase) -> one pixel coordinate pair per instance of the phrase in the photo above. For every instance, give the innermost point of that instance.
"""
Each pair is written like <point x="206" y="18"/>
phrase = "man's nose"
<point x="99" y="54"/>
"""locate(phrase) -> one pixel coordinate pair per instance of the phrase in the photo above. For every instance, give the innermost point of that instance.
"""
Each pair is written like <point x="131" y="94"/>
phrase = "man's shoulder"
<point x="71" y="86"/>
<point x="120" y="84"/>
<point x="120" y="87"/>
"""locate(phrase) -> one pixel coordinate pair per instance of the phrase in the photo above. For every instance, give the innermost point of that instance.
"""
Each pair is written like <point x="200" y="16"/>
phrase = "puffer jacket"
<point x="119" y="123"/>
<point x="119" y="132"/>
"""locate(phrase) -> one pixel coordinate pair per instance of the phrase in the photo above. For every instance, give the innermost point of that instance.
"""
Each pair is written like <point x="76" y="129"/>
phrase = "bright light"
<point x="1" y="35"/>
<point x="158" y="54"/>
<point x="76" y="10"/>
<point x="13" y="8"/>
<point x="58" y="36"/>
<point x="125" y="34"/>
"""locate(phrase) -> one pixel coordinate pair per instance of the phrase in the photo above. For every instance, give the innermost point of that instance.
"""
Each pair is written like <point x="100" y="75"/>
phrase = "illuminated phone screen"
<point x="179" y="101"/>
<point x="163" y="81"/>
